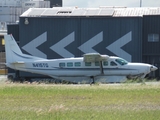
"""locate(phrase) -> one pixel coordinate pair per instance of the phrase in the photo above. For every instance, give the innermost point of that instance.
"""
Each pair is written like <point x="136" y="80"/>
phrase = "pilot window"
<point x="96" y="63"/>
<point x="121" y="61"/>
<point x="105" y="63"/>
<point x="61" y="64"/>
<point x="113" y="63"/>
<point x="87" y="63"/>
<point x="77" y="64"/>
<point x="69" y="64"/>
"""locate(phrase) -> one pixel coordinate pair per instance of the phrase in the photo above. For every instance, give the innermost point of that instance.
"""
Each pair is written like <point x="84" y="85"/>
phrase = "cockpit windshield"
<point x="121" y="61"/>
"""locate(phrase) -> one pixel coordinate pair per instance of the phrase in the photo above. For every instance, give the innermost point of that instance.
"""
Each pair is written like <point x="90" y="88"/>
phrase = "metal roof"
<point x="102" y="11"/>
<point x="137" y="11"/>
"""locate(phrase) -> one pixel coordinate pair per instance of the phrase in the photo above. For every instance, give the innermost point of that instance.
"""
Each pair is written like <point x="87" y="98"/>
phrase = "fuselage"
<point x="70" y="67"/>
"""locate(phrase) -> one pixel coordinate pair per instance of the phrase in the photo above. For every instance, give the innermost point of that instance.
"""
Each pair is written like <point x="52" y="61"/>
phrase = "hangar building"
<point x="130" y="33"/>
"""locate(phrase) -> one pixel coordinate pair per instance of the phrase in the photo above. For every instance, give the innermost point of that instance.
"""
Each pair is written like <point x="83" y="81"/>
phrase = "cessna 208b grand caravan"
<point x="92" y="66"/>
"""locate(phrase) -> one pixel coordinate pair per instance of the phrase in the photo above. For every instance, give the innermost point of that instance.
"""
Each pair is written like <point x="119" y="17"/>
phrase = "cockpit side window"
<point x="113" y="63"/>
<point x="121" y="61"/>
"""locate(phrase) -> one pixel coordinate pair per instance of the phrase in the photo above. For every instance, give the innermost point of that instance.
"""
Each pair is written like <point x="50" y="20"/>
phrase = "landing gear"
<point x="92" y="78"/>
<point x="101" y="72"/>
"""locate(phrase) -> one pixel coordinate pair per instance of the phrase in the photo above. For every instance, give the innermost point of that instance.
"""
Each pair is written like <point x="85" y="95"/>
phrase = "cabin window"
<point x="153" y="37"/>
<point x="69" y="64"/>
<point x="105" y="63"/>
<point x="77" y="64"/>
<point x="87" y="63"/>
<point x="61" y="64"/>
<point x="96" y="63"/>
<point x="113" y="63"/>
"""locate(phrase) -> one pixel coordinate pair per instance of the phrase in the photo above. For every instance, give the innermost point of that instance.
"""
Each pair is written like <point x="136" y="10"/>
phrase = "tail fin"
<point x="11" y="48"/>
<point x="14" y="53"/>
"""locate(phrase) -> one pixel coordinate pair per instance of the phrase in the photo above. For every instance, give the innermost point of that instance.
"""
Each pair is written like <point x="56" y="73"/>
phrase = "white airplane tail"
<point x="14" y="53"/>
<point x="11" y="48"/>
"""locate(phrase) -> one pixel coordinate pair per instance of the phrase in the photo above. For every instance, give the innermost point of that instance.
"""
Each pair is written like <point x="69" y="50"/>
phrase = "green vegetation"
<point x="80" y="102"/>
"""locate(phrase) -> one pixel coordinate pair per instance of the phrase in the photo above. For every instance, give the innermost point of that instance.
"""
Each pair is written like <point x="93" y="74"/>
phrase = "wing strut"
<point x="101" y="67"/>
<point x="95" y="57"/>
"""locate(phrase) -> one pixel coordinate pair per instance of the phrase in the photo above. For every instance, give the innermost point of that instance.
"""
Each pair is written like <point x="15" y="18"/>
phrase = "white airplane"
<point x="89" y="68"/>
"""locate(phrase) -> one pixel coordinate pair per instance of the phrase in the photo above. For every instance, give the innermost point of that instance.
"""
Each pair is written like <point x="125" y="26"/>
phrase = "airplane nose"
<point x="153" y="68"/>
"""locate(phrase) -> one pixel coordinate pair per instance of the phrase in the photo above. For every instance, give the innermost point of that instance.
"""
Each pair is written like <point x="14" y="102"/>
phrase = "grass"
<point x="80" y="102"/>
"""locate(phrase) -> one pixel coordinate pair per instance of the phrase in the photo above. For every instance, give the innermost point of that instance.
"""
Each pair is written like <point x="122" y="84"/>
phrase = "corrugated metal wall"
<point x="151" y="25"/>
<point x="75" y="32"/>
<point x="14" y="30"/>
<point x="57" y="37"/>
<point x="151" y="50"/>
<point x="101" y="34"/>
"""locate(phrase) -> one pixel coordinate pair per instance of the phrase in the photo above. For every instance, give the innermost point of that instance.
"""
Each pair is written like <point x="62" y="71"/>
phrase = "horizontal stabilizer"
<point x="18" y="62"/>
<point x="2" y="63"/>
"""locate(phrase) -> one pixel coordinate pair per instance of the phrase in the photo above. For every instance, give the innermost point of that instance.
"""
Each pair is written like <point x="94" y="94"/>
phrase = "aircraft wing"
<point x="94" y="57"/>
